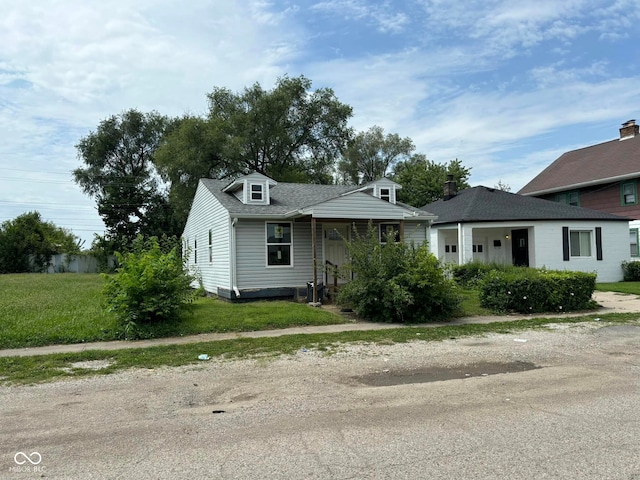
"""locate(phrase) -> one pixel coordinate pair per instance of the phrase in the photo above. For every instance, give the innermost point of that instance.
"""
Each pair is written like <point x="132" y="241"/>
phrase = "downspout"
<point x="232" y="257"/>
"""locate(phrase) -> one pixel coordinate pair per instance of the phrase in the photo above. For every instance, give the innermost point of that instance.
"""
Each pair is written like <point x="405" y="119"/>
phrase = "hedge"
<point x="535" y="291"/>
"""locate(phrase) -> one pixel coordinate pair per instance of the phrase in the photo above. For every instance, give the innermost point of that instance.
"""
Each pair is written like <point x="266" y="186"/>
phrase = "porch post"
<point x="315" y="271"/>
<point x="401" y="230"/>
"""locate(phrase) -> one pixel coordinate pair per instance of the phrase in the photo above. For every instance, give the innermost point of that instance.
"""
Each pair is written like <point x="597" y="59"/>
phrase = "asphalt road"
<point x="570" y="408"/>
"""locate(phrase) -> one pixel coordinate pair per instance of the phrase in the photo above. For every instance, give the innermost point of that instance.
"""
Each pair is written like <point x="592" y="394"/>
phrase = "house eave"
<point x="574" y="186"/>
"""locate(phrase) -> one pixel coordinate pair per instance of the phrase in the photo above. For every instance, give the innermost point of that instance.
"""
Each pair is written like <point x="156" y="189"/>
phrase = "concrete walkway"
<point x="610" y="303"/>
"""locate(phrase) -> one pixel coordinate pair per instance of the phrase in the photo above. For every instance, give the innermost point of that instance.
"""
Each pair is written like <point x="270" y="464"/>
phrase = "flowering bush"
<point x="533" y="291"/>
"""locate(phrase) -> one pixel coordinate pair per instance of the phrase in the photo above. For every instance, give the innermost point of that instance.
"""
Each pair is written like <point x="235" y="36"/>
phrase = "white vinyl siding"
<point x="357" y="206"/>
<point x="206" y="217"/>
<point x="251" y="257"/>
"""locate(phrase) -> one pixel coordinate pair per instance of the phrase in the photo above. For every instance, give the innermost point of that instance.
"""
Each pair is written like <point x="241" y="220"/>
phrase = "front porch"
<point x="503" y="244"/>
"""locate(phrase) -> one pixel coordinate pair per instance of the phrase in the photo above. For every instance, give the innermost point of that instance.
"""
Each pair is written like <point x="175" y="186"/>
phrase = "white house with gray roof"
<point x="489" y="225"/>
<point x="258" y="238"/>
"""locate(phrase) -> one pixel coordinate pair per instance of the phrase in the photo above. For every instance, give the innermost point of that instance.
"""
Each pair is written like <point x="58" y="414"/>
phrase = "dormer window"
<point x="251" y="189"/>
<point x="257" y="193"/>
<point x="385" y="194"/>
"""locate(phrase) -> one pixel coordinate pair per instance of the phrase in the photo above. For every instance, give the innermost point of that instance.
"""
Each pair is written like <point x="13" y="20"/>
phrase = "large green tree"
<point x="191" y="150"/>
<point x="120" y="174"/>
<point x="27" y="243"/>
<point x="370" y="154"/>
<point x="423" y="180"/>
<point x="290" y="133"/>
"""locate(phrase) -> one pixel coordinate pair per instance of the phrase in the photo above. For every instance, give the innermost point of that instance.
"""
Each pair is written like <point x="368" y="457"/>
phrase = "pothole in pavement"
<point x="387" y="378"/>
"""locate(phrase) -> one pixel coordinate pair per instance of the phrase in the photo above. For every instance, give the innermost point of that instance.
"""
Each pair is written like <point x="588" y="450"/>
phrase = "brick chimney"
<point x="629" y="130"/>
<point x="450" y="188"/>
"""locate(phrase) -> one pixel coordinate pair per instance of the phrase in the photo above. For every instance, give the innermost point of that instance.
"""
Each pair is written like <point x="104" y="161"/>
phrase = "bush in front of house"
<point x="470" y="274"/>
<point x="396" y="282"/>
<point x="631" y="271"/>
<point x="152" y="285"/>
<point x="537" y="290"/>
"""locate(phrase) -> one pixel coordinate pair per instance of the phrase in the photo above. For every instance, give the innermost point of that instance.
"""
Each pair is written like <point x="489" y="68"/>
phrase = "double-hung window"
<point x="570" y="198"/>
<point x="279" y="244"/>
<point x="633" y="242"/>
<point x="629" y="193"/>
<point x="257" y="194"/>
<point x="580" y="243"/>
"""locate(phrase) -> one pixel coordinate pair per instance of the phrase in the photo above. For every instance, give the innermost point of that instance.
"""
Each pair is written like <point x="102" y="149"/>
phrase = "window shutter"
<point x="598" y="243"/>
<point x="565" y="244"/>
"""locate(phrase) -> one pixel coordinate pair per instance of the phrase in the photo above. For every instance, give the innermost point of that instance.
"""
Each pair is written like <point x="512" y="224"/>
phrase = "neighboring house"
<point x="489" y="225"/>
<point x="256" y="238"/>
<point x="600" y="177"/>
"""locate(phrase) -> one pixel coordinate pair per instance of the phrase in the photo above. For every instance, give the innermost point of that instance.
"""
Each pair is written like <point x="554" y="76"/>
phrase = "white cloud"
<point x="383" y="15"/>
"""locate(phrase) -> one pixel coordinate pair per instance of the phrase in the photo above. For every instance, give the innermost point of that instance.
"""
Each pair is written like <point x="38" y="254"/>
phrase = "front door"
<point x="335" y="250"/>
<point x="520" y="247"/>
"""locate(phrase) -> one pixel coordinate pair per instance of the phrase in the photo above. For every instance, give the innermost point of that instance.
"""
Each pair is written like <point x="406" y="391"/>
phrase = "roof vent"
<point x="629" y="129"/>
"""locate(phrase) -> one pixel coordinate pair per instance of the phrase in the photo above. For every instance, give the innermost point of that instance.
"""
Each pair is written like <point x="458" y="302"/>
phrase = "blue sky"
<point x="506" y="87"/>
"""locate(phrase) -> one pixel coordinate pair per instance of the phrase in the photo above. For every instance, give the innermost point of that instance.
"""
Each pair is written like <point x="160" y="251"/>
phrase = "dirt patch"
<point x="388" y="378"/>
<point x="92" y="364"/>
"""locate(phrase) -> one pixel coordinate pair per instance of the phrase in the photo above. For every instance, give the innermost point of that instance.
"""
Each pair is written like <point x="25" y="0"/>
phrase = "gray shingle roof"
<point x="482" y="204"/>
<point x="588" y="165"/>
<point x="285" y="197"/>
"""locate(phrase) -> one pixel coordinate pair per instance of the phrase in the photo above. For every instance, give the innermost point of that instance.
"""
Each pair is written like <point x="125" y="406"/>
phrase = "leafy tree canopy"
<point x="423" y="180"/>
<point x="290" y="133"/>
<point x="370" y="154"/>
<point x="27" y="243"/>
<point x="119" y="171"/>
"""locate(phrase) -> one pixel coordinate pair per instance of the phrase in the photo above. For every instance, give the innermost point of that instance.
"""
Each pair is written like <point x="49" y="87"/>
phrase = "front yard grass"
<point x="34" y="369"/>
<point x="41" y="309"/>
<point x="48" y="309"/>
<point x="632" y="288"/>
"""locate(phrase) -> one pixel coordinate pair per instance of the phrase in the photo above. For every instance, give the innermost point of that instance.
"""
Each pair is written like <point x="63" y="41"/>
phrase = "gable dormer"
<point x="252" y="189"/>
<point x="384" y="189"/>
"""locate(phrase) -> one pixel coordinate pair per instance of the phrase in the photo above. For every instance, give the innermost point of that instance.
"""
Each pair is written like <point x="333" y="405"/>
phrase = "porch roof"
<point x="483" y="204"/>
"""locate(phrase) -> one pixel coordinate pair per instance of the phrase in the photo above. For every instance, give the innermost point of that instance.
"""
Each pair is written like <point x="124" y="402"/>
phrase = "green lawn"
<point x="41" y="309"/>
<point x="622" y="287"/>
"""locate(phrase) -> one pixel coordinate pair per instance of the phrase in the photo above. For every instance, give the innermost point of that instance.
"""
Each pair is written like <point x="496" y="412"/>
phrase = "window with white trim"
<point x="580" y="243"/>
<point x="633" y="242"/>
<point x="385" y="194"/>
<point x="279" y="244"/>
<point x="256" y="190"/>
<point x="389" y="231"/>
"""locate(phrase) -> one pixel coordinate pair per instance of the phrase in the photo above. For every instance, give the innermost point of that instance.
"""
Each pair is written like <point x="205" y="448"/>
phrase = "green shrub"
<point x="150" y="286"/>
<point x="471" y="274"/>
<point x="396" y="282"/>
<point x="530" y="290"/>
<point x="631" y="271"/>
